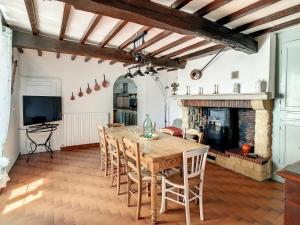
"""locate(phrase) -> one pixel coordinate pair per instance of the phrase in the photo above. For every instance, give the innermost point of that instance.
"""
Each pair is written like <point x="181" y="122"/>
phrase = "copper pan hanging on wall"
<point x="105" y="83"/>
<point x="96" y="86"/>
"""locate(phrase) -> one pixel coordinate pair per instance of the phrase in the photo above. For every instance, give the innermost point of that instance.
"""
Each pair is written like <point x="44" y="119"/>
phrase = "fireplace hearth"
<point x="227" y="125"/>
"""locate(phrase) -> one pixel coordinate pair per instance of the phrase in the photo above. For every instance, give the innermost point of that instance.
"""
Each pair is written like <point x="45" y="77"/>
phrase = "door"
<point x="286" y="114"/>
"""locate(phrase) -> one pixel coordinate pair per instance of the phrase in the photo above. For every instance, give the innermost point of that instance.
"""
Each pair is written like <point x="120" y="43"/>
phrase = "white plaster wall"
<point x="77" y="73"/>
<point x="12" y="147"/>
<point x="253" y="67"/>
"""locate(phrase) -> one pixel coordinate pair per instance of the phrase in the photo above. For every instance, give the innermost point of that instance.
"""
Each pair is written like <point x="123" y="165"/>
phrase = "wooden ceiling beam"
<point x="188" y="48"/>
<point x="87" y="59"/>
<point x="246" y="11"/>
<point x="29" y="4"/>
<point x="32" y="16"/>
<point x="155" y="15"/>
<point x="276" y="27"/>
<point x="178" y="4"/>
<point x="130" y="39"/>
<point x="25" y="40"/>
<point x="116" y="29"/>
<point x="161" y="68"/>
<point x="112" y="62"/>
<point x="153" y="40"/>
<point x="211" y="7"/>
<point x="171" y="45"/>
<point x="203" y="52"/>
<point x="64" y="22"/>
<point x="100" y="61"/>
<point x="93" y="23"/>
<point x="20" y="50"/>
<point x="275" y="16"/>
<point x="40" y="53"/>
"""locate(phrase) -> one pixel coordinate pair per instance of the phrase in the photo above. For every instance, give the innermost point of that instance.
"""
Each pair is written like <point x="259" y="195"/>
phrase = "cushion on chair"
<point x="177" y="131"/>
<point x="177" y="178"/>
<point x="146" y="175"/>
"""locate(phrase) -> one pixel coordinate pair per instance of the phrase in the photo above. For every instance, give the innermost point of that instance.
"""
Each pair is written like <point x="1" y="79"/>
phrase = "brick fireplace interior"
<point x="227" y="125"/>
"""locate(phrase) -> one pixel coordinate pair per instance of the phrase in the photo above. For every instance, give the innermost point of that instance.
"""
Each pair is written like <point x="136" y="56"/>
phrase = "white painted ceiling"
<point x="50" y="13"/>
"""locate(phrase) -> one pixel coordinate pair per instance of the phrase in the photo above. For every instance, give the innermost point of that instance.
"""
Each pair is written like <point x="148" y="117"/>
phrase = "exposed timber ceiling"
<point x="178" y="30"/>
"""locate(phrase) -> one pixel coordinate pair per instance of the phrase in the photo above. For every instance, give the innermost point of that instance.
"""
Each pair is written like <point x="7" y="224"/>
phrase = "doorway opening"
<point x="125" y="101"/>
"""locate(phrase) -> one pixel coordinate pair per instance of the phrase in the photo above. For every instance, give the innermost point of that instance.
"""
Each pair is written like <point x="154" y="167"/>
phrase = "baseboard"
<point x="68" y="148"/>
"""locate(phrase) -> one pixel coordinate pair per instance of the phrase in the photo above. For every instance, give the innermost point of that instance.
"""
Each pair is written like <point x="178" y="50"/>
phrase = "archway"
<point x="125" y="101"/>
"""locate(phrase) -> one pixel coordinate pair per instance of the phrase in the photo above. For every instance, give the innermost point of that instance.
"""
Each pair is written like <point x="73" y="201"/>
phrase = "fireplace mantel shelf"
<point x="229" y="96"/>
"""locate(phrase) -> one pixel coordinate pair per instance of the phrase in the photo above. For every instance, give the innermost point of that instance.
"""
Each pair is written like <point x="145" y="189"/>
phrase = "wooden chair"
<point x="167" y="131"/>
<point x="190" y="133"/>
<point x="116" y="160"/>
<point x="104" y="154"/>
<point x="190" y="182"/>
<point x="115" y="125"/>
<point x="135" y="174"/>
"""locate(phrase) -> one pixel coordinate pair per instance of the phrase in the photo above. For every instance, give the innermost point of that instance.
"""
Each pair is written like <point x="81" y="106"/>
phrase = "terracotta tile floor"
<point x="70" y="189"/>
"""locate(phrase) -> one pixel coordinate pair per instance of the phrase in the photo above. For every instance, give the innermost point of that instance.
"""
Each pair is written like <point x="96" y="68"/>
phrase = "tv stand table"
<point x="41" y="128"/>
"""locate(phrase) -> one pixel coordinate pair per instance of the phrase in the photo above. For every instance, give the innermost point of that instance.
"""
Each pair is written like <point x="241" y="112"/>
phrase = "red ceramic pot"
<point x="246" y="148"/>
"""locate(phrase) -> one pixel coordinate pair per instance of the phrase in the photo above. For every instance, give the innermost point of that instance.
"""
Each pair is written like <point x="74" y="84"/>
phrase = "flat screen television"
<point x="41" y="109"/>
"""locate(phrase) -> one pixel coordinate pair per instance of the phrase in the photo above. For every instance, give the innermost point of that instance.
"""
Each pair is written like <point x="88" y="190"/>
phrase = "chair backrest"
<point x="195" y="133"/>
<point x="167" y="131"/>
<point x="102" y="139"/>
<point x="194" y="163"/>
<point x="132" y="156"/>
<point x="113" y="147"/>
<point x="177" y="123"/>
<point x="115" y="125"/>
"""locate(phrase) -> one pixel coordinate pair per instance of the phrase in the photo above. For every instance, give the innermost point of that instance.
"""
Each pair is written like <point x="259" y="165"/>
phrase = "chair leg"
<point x="112" y="174"/>
<point x="139" y="201"/>
<point x="118" y="179"/>
<point x="187" y="207"/>
<point x="163" y="196"/>
<point x="149" y="189"/>
<point x="201" y="202"/>
<point x="101" y="161"/>
<point x="201" y="208"/>
<point x="128" y="191"/>
<point x="106" y="165"/>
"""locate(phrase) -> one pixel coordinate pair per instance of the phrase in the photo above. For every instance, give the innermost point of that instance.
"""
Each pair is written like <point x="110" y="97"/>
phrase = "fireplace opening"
<point x="224" y="128"/>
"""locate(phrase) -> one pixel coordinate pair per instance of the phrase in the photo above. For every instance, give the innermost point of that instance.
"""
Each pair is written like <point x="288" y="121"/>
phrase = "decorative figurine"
<point x="236" y="87"/>
<point x="174" y="87"/>
<point x="188" y="90"/>
<point x="200" y="90"/>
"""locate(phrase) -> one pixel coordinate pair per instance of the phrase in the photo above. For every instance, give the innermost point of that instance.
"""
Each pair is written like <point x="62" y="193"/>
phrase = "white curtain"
<point x="5" y="89"/>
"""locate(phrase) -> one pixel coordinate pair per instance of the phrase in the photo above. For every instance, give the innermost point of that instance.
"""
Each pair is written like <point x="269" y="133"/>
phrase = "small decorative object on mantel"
<point x="88" y="89"/>
<point x="216" y="89"/>
<point x="174" y="87"/>
<point x="200" y="90"/>
<point x="188" y="90"/>
<point x="236" y="87"/>
<point x="261" y="85"/>
<point x="105" y="83"/>
<point x="80" y="93"/>
<point x="96" y="86"/>
<point x="196" y="74"/>
<point x="72" y="97"/>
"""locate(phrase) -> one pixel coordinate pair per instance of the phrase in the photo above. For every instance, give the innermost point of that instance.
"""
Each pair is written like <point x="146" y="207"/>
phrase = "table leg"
<point x="154" y="198"/>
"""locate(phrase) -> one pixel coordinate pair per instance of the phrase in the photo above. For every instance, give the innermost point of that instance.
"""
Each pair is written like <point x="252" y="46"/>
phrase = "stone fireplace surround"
<point x="258" y="169"/>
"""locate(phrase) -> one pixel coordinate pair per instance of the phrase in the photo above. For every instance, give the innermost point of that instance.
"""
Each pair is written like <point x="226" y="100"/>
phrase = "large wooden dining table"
<point x="156" y="155"/>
